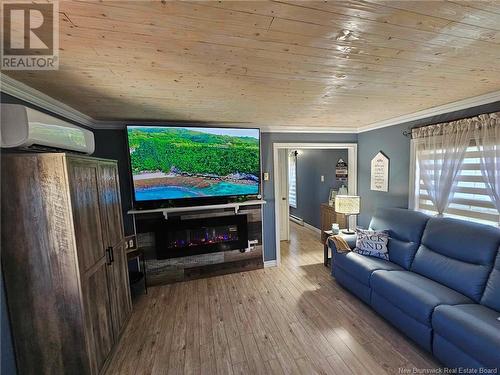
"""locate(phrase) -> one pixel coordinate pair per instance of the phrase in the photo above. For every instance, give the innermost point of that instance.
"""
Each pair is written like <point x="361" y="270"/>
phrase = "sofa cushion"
<point x="491" y="295"/>
<point x="419" y="332"/>
<point x="472" y="328"/>
<point x="414" y="294"/>
<point x="361" y="267"/>
<point x="452" y="356"/>
<point x="458" y="254"/>
<point x="405" y="229"/>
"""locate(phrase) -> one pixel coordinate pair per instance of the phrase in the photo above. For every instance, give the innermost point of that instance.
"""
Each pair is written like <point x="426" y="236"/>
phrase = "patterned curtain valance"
<point x="463" y="125"/>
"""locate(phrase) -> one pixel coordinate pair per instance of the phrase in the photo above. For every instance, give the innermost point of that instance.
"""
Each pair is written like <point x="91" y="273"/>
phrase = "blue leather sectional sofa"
<point x="441" y="286"/>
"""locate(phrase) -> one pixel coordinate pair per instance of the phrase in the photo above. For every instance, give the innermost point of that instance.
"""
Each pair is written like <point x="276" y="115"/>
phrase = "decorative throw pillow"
<point x="372" y="243"/>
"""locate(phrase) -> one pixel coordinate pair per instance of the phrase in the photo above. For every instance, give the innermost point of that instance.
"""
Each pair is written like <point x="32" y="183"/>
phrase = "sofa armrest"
<point x="349" y="238"/>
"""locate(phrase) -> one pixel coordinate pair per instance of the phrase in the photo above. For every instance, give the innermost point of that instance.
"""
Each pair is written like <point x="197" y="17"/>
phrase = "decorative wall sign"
<point x="341" y="170"/>
<point x="380" y="173"/>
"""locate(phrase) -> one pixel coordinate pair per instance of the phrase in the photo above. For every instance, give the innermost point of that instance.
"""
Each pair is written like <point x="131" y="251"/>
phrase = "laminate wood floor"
<point x="294" y="319"/>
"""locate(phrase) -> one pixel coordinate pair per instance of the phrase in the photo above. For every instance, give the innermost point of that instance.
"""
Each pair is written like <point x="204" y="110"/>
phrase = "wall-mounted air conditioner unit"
<point x="27" y="128"/>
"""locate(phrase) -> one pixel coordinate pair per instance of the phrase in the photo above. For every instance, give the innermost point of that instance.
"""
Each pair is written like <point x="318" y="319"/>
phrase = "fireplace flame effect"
<point x="204" y="236"/>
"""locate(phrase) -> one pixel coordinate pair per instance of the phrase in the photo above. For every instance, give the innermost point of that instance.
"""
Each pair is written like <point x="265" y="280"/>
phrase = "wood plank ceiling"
<point x="339" y="64"/>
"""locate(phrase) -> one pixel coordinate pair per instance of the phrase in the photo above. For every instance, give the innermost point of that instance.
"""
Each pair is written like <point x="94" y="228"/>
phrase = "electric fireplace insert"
<point x="179" y="238"/>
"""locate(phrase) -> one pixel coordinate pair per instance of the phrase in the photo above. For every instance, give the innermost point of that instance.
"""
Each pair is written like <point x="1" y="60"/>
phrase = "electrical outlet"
<point x="130" y="242"/>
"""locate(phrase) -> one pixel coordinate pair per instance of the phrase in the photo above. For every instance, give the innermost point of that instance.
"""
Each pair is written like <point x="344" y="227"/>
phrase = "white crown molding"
<point x="263" y="128"/>
<point x="303" y="129"/>
<point x="21" y="91"/>
<point x="434" y="111"/>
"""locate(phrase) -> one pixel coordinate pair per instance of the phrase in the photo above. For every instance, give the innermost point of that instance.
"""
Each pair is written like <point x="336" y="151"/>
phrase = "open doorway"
<point x="304" y="175"/>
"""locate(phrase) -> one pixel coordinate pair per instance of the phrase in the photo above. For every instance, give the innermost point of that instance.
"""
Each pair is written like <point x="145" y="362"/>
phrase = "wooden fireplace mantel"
<point x="170" y="210"/>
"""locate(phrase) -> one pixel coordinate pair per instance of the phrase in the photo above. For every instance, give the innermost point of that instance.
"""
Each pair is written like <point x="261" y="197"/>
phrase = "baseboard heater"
<point x="297" y="220"/>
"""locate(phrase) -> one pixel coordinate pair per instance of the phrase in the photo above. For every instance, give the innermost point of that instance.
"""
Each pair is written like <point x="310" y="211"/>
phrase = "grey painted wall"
<point x="397" y="147"/>
<point x="267" y="140"/>
<point x="311" y="192"/>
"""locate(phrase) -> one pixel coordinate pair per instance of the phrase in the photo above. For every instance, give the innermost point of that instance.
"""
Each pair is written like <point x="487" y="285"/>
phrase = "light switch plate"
<point x="266" y="176"/>
<point x="322" y="178"/>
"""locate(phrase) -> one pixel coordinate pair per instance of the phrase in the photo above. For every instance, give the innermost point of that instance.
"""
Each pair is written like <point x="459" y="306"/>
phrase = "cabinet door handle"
<point x="112" y="254"/>
<point x="109" y="256"/>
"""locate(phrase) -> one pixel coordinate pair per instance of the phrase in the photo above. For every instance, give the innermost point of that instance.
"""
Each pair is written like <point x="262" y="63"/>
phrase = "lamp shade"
<point x="347" y="204"/>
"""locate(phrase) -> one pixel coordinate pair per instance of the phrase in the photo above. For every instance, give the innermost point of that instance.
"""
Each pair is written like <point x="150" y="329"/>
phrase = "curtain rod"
<point x="407" y="132"/>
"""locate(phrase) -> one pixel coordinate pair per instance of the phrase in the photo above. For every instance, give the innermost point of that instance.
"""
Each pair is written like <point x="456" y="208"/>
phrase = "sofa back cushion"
<point x="491" y="295"/>
<point x="458" y="254"/>
<point x="405" y="228"/>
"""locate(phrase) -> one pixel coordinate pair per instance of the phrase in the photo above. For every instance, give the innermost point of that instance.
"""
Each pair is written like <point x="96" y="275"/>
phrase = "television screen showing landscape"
<point x="186" y="162"/>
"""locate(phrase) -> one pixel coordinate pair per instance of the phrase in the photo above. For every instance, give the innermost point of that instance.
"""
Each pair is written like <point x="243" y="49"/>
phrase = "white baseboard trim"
<point x="270" y="263"/>
<point x="309" y="226"/>
<point x="297" y="220"/>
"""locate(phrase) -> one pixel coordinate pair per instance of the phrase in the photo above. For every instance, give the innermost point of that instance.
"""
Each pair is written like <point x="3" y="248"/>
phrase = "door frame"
<point x="352" y="182"/>
<point x="282" y="178"/>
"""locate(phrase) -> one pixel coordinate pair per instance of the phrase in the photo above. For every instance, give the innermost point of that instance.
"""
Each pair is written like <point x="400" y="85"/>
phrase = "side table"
<point x="140" y="274"/>
<point x="324" y="236"/>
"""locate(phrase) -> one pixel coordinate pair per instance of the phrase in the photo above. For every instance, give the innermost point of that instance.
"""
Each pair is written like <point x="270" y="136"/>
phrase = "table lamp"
<point x="348" y="205"/>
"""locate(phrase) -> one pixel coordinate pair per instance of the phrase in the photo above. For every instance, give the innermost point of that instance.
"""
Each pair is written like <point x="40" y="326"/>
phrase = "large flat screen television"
<point x="179" y="165"/>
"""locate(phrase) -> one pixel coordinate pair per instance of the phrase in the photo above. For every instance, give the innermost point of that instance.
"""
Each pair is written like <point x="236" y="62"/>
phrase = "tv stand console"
<point x="186" y="243"/>
<point x="166" y="211"/>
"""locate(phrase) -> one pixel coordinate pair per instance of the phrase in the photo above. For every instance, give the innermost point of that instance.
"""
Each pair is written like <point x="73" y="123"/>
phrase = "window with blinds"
<point x="292" y="180"/>
<point x="470" y="199"/>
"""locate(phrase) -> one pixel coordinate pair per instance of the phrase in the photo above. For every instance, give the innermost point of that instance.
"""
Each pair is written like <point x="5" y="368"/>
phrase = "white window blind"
<point x="470" y="199"/>
<point x="292" y="180"/>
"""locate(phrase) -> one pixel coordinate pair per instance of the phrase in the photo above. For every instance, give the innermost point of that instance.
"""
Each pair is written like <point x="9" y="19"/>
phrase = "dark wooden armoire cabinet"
<point x="64" y="262"/>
